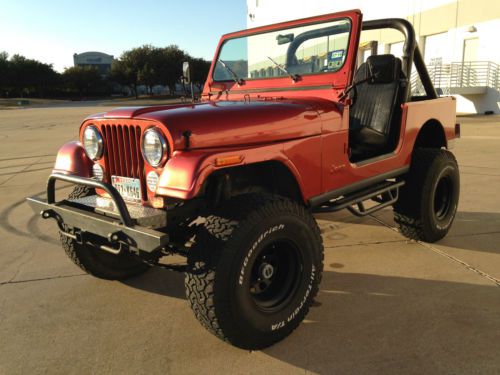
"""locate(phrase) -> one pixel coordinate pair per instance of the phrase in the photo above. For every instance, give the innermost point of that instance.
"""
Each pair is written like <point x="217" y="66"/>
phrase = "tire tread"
<point x="248" y="209"/>
<point x="408" y="210"/>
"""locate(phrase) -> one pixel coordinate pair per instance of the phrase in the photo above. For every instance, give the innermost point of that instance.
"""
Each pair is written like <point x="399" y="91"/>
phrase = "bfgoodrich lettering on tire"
<point x="255" y="269"/>
<point x="428" y="202"/>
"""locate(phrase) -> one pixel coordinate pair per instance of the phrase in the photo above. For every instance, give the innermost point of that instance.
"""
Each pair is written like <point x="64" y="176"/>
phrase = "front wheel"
<point x="97" y="262"/>
<point x="255" y="269"/>
<point x="428" y="201"/>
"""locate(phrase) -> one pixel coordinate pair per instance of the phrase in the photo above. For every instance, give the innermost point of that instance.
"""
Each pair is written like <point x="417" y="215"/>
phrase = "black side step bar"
<point x="385" y="194"/>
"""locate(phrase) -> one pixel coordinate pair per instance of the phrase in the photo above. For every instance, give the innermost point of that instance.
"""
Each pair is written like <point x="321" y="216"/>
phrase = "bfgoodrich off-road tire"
<point x="96" y="261"/>
<point x="428" y="201"/>
<point x="254" y="269"/>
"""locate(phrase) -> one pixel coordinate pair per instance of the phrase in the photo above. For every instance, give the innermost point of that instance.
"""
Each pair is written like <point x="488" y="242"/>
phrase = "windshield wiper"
<point x="236" y="79"/>
<point x="294" y="77"/>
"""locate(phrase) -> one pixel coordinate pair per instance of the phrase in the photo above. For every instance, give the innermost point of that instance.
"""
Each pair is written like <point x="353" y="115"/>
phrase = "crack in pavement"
<point x="21" y="171"/>
<point x="472" y="234"/>
<point x="463" y="263"/>
<point x="481" y="174"/>
<point x="20" y="266"/>
<point x="364" y="243"/>
<point x="23" y="165"/>
<point x="445" y="254"/>
<point x="27" y="157"/>
<point x="476" y="166"/>
<point x="42" y="279"/>
<point x="25" y="171"/>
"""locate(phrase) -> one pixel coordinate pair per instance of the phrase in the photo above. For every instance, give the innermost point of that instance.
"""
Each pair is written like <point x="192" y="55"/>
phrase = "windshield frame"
<point x="284" y="28"/>
<point x="328" y="85"/>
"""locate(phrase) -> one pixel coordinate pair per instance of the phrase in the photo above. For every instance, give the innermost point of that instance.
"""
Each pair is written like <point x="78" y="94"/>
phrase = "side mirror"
<point x="186" y="73"/>
<point x="284" y="38"/>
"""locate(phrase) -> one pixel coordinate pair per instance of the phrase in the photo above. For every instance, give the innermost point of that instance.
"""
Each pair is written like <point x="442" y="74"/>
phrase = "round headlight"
<point x="92" y="142"/>
<point x="154" y="147"/>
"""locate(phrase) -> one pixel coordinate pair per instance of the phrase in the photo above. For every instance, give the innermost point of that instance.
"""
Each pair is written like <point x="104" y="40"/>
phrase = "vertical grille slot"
<point x="127" y="149"/>
<point x="121" y="151"/>
<point x="139" y="154"/>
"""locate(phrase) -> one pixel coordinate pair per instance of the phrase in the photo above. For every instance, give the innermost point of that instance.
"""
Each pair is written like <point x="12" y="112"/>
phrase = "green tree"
<point x="199" y="71"/>
<point x="4" y="72"/>
<point x="28" y="76"/>
<point x="130" y="66"/>
<point x="120" y="74"/>
<point x="150" y="66"/>
<point x="20" y="74"/>
<point x="83" y="79"/>
<point x="45" y="78"/>
<point x="171" y="70"/>
<point x="150" y="73"/>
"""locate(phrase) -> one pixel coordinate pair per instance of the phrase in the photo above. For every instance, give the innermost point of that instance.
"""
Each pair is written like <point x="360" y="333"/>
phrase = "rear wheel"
<point x="97" y="262"/>
<point x="428" y="202"/>
<point x="254" y="269"/>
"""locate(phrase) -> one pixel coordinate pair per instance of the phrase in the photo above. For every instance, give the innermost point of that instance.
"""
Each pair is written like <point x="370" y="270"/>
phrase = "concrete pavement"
<point x="386" y="305"/>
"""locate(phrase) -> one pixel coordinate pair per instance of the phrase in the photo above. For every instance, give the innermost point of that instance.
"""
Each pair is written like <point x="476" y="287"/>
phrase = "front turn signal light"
<point x="229" y="160"/>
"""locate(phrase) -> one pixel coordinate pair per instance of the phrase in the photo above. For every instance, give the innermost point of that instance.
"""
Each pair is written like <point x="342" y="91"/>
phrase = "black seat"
<point x="374" y="116"/>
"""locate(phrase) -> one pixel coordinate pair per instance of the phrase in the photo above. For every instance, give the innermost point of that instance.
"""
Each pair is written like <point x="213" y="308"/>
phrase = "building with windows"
<point x="458" y="39"/>
<point x="99" y="60"/>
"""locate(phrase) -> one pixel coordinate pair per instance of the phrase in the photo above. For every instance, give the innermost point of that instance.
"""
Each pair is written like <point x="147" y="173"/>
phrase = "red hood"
<point x="233" y="123"/>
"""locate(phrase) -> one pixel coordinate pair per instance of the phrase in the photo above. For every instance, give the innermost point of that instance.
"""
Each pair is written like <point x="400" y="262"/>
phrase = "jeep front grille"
<point x="122" y="152"/>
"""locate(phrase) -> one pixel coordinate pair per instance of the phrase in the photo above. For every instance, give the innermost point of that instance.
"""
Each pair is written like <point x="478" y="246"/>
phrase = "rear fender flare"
<point x="431" y="134"/>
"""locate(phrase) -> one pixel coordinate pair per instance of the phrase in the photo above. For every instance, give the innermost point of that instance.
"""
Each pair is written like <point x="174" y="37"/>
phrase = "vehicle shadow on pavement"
<point x="159" y="281"/>
<point x="475" y="231"/>
<point x="171" y="284"/>
<point x="369" y="323"/>
<point x="475" y="223"/>
<point x="464" y="234"/>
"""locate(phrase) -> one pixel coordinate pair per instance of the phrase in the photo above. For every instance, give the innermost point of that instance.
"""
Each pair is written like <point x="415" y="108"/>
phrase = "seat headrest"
<point x="383" y="68"/>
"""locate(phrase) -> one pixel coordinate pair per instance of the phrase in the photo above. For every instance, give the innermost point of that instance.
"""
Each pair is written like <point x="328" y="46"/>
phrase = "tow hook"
<point x="47" y="214"/>
<point x="114" y="239"/>
<point x="77" y="235"/>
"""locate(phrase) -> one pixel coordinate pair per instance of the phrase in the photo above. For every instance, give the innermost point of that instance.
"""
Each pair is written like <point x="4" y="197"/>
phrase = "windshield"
<point x="297" y="51"/>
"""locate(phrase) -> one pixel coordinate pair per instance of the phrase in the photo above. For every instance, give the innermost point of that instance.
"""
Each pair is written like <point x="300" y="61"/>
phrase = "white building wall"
<point x="444" y="23"/>
<point x="271" y="11"/>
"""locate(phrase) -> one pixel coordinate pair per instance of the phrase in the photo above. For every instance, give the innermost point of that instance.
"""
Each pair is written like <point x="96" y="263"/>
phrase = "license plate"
<point x="129" y="188"/>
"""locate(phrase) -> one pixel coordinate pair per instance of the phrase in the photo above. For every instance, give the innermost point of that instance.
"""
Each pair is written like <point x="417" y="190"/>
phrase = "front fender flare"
<point x="185" y="173"/>
<point x="72" y="159"/>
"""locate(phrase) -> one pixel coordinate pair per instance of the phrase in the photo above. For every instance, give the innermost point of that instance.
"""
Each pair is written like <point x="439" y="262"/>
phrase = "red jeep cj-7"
<point x="287" y="126"/>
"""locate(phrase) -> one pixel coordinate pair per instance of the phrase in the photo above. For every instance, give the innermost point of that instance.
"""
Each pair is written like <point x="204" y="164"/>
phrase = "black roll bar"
<point x="411" y="52"/>
<point x="418" y="60"/>
<point x="311" y="34"/>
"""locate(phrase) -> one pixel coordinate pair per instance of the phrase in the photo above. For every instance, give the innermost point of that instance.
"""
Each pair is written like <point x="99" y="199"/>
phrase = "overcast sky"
<point x="52" y="31"/>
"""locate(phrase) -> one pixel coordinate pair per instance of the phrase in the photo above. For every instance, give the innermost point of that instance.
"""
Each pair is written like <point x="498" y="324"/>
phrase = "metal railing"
<point x="467" y="74"/>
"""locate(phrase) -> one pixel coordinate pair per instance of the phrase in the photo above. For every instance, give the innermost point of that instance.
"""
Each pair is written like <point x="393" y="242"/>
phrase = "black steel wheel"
<point x="275" y="276"/>
<point x="254" y="269"/>
<point x="443" y="197"/>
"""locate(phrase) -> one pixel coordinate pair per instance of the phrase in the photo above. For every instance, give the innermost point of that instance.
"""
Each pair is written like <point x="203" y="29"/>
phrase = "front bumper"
<point x="82" y="220"/>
